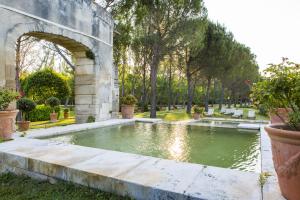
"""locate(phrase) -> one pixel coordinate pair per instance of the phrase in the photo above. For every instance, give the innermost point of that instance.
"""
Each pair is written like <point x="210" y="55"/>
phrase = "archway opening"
<point x="42" y="58"/>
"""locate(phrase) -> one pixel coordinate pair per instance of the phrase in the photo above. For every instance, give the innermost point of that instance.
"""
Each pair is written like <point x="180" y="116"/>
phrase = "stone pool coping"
<point x="62" y="130"/>
<point x="138" y="176"/>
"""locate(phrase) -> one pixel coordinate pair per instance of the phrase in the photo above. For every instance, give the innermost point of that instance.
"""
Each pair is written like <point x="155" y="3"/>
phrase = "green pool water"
<point x="221" y="147"/>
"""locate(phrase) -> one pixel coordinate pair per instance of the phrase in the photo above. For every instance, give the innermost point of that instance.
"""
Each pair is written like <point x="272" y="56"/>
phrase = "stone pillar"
<point x="85" y="88"/>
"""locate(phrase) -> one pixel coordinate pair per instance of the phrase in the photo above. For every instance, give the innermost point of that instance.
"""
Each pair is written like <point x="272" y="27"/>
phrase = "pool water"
<point x="221" y="147"/>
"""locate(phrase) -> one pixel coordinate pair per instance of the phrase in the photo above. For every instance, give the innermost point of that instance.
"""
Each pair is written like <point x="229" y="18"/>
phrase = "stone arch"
<point x="95" y="92"/>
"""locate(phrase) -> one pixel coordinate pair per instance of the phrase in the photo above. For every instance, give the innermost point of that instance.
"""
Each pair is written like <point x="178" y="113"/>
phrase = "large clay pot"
<point x="53" y="117"/>
<point x="283" y="113"/>
<point x="286" y="158"/>
<point x="127" y="111"/>
<point x="7" y="124"/>
<point x="23" y="125"/>
<point x="196" y="116"/>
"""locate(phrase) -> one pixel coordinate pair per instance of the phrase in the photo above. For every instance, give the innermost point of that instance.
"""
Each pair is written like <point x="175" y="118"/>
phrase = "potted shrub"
<point x="127" y="109"/>
<point x="7" y="114"/>
<point x="53" y="102"/>
<point x="281" y="89"/>
<point x="66" y="113"/>
<point x="198" y="112"/>
<point x="25" y="105"/>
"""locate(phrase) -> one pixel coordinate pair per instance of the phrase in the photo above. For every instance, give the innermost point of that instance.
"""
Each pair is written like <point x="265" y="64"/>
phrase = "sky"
<point x="271" y="28"/>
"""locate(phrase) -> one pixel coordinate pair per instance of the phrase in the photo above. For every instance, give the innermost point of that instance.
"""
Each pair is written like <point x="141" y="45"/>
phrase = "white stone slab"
<point x="249" y="126"/>
<point x="140" y="177"/>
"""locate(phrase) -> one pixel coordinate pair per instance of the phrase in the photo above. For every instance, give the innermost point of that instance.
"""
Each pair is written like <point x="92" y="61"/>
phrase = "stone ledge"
<point x="137" y="176"/>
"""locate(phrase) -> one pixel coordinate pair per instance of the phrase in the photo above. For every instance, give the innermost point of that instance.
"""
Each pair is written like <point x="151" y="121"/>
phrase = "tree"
<point x="46" y="83"/>
<point x="167" y="22"/>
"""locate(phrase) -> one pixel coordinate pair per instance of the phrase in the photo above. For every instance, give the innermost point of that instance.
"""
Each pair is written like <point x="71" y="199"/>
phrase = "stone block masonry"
<point x="79" y="26"/>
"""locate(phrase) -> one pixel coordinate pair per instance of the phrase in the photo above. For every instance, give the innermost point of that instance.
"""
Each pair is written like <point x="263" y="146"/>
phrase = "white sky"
<point x="271" y="28"/>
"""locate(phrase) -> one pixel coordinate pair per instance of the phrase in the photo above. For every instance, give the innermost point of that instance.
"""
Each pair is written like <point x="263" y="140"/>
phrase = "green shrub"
<point x="280" y="89"/>
<point x="42" y="113"/>
<point x="25" y="105"/>
<point x="53" y="102"/>
<point x="129" y="100"/>
<point x="91" y="119"/>
<point x="6" y="97"/>
<point x="198" y="109"/>
<point x="66" y="110"/>
<point x="46" y="83"/>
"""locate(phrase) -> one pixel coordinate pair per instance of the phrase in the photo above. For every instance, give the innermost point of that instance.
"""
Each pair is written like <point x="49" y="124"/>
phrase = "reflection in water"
<point x="222" y="147"/>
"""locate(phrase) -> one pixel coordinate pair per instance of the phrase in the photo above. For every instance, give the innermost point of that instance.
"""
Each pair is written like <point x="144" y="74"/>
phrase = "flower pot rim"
<point x="278" y="133"/>
<point x="9" y="111"/>
<point x="127" y="105"/>
<point x="23" y="121"/>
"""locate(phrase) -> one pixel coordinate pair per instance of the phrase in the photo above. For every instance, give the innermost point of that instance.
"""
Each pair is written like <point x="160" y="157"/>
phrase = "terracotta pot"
<point x="127" y="111"/>
<point x="66" y="115"/>
<point x="23" y="125"/>
<point x="196" y="116"/>
<point x="53" y="117"/>
<point x="286" y="159"/>
<point x="282" y="112"/>
<point x="7" y="124"/>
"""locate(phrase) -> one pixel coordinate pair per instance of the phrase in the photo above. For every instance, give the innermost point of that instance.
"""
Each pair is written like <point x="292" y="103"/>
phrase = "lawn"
<point x="173" y="115"/>
<point x="48" y="124"/>
<point x="177" y="115"/>
<point x="60" y="122"/>
<point x="23" y="188"/>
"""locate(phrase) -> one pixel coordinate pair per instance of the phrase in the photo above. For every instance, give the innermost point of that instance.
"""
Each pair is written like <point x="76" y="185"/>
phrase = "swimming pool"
<point x="221" y="147"/>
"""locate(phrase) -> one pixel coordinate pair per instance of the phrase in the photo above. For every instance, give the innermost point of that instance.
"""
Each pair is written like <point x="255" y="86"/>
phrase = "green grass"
<point x="14" y="187"/>
<point x="174" y="115"/>
<point x="48" y="124"/>
<point x="60" y="122"/>
<point x="177" y="115"/>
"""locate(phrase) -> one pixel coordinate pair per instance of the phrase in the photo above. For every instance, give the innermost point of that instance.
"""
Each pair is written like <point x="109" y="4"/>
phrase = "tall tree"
<point x="167" y="22"/>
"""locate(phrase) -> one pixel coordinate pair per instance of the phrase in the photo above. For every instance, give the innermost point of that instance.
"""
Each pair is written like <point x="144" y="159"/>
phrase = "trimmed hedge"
<point x="42" y="113"/>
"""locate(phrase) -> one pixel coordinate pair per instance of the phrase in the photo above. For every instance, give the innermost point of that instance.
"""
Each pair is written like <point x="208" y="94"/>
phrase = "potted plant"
<point x="66" y="113"/>
<point x="25" y="105"/>
<point x="198" y="112"/>
<point x="53" y="102"/>
<point x="127" y="109"/>
<point x="7" y="114"/>
<point x="281" y="89"/>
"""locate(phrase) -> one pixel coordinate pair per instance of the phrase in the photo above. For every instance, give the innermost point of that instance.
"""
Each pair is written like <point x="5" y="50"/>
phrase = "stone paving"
<point x="137" y="176"/>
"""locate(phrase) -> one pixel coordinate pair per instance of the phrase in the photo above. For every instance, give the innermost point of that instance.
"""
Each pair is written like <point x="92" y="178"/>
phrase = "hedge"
<point x="42" y="113"/>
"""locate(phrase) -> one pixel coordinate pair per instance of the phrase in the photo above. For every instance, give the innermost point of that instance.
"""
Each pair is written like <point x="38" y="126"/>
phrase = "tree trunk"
<point x="123" y="73"/>
<point x="170" y="84"/>
<point x="207" y="93"/>
<point x="190" y="90"/>
<point x="144" y="87"/>
<point x="153" y="76"/>
<point x="215" y="92"/>
<point x="221" y="100"/>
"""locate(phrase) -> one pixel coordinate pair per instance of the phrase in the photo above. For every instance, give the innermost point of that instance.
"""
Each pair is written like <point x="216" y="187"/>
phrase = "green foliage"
<point x="53" y="102"/>
<point x="280" y="89"/>
<point x="66" y="110"/>
<point x="89" y="54"/>
<point x="129" y="100"/>
<point x="90" y="119"/>
<point x="25" y="105"/>
<point x="263" y="177"/>
<point x="46" y="83"/>
<point x="42" y="113"/>
<point x="198" y="109"/>
<point x="6" y="97"/>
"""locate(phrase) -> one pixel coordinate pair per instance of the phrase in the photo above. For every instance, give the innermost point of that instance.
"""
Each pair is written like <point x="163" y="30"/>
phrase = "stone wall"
<point x="79" y="26"/>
